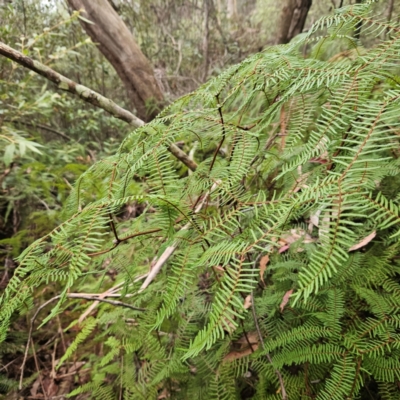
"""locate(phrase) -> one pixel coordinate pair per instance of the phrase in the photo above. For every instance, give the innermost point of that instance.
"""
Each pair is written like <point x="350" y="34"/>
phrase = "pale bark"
<point x="118" y="45"/>
<point x="292" y="20"/>
<point x="206" y="34"/>
<point x="231" y="6"/>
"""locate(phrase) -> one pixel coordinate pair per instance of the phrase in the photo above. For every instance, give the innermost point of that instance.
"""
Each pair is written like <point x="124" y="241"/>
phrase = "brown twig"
<point x="37" y="368"/>
<point x="107" y="293"/>
<point x="170" y="249"/>
<point x="117" y="240"/>
<point x="223" y="135"/>
<point x="40" y="126"/>
<point x="88" y="95"/>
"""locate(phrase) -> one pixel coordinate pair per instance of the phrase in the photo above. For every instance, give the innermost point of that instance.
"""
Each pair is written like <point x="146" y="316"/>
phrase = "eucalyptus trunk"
<point x="118" y="45"/>
<point x="293" y="17"/>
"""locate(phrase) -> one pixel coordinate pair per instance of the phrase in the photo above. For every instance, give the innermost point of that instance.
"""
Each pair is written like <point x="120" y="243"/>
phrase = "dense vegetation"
<point x="275" y="262"/>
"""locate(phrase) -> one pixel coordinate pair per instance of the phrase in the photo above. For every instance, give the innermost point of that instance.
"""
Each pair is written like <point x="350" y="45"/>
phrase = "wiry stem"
<point x="170" y="249"/>
<point x="69" y="296"/>
<point x="253" y="310"/>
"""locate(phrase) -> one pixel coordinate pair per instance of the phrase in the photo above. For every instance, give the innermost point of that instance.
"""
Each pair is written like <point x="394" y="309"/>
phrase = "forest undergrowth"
<point x="270" y="270"/>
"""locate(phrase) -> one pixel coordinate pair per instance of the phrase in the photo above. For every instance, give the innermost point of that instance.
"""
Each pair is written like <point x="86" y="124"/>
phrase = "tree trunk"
<point x="117" y="44"/>
<point x="293" y="18"/>
<point x="357" y="30"/>
<point x="389" y="15"/>
<point x="231" y="6"/>
<point x="390" y="10"/>
<point x="206" y="34"/>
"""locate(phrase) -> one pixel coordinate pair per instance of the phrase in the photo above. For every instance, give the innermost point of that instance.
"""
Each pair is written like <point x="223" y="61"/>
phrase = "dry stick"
<point x="88" y="95"/>
<point x="38" y="371"/>
<point x="253" y="310"/>
<point x="107" y="293"/>
<point x="170" y="249"/>
<point x="70" y="296"/>
<point x="44" y="346"/>
<point x="112" y="292"/>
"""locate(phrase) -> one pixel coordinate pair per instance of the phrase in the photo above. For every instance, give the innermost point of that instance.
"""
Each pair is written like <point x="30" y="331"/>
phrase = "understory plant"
<point x="272" y="269"/>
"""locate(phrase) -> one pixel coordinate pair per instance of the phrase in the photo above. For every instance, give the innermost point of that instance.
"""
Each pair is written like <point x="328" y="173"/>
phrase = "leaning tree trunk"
<point x="117" y="44"/>
<point x="292" y="20"/>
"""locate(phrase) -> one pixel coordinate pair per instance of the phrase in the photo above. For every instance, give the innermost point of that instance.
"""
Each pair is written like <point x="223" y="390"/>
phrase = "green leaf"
<point x="9" y="154"/>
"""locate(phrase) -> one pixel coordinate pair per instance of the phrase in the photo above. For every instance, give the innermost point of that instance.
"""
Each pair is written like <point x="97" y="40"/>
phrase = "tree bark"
<point x="206" y="34"/>
<point x="293" y="18"/>
<point x="231" y="6"/>
<point x="357" y="30"/>
<point x="117" y="44"/>
<point x="390" y="10"/>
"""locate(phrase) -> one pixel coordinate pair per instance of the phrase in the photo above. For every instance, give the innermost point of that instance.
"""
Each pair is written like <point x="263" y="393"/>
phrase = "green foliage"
<point x="47" y="139"/>
<point x="298" y="160"/>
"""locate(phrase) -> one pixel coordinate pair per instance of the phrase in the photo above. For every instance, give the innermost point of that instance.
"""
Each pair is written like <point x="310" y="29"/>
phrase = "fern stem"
<point x="253" y="311"/>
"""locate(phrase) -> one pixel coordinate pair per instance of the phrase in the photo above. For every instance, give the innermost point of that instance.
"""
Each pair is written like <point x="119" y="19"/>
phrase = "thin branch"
<point x="389" y="14"/>
<point x="88" y="95"/>
<point x="117" y="240"/>
<point x="70" y="296"/>
<point x="96" y="298"/>
<point x="107" y="293"/>
<point x="38" y="371"/>
<point x="170" y="249"/>
<point x="40" y="126"/>
<point x="68" y="85"/>
<point x="223" y="135"/>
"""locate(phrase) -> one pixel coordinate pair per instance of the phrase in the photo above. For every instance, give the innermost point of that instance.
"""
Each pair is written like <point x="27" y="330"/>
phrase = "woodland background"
<point x="49" y="137"/>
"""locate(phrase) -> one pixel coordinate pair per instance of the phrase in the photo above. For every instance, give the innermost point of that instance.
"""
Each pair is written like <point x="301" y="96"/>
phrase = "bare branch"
<point x="40" y="126"/>
<point x="86" y="94"/>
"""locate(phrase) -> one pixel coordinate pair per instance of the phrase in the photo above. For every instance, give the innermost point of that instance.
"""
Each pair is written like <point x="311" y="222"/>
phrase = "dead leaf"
<point x="296" y="234"/>
<point x="35" y="387"/>
<point x="235" y="355"/>
<point x="49" y="386"/>
<point x="164" y="395"/>
<point x="283" y="249"/>
<point x="314" y="221"/>
<point x="228" y="326"/>
<point x="263" y="266"/>
<point x="252" y="337"/>
<point x="363" y="242"/>
<point x="314" y="218"/>
<point x="247" y="302"/>
<point x="285" y="299"/>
